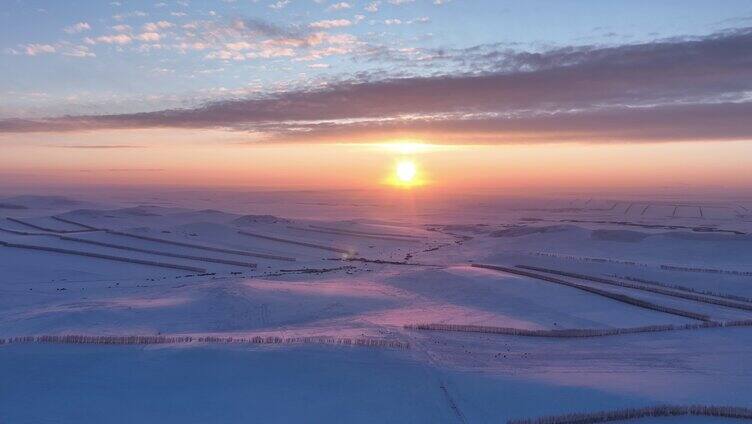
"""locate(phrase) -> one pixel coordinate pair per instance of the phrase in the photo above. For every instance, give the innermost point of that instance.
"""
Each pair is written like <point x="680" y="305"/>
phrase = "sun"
<point x="406" y="171"/>
<point x="406" y="174"/>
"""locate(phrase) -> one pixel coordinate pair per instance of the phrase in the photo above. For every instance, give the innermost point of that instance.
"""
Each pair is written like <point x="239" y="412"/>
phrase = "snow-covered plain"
<point x="317" y="269"/>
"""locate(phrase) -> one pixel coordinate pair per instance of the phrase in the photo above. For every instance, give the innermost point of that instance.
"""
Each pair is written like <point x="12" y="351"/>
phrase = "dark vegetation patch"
<point x="619" y="235"/>
<point x="525" y="230"/>
<point x="259" y="219"/>
<point x="12" y="206"/>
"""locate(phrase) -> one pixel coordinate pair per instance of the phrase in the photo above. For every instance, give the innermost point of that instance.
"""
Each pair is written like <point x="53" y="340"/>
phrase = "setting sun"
<point x="406" y="171"/>
<point x="406" y="174"/>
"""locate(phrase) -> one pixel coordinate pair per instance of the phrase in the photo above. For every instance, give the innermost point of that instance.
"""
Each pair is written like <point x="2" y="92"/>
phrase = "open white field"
<point x="343" y="312"/>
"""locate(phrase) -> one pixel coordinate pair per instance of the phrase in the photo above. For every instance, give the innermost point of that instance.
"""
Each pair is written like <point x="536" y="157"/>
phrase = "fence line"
<point x="147" y="340"/>
<point x="24" y="233"/>
<point x="684" y="288"/>
<point x="367" y="233"/>
<point x="605" y="293"/>
<point x="351" y="234"/>
<point x="42" y="228"/>
<point x="587" y="259"/>
<point x="636" y="413"/>
<point x="159" y="253"/>
<point x="68" y="221"/>
<point x="101" y="256"/>
<point x="299" y="243"/>
<point x="200" y="246"/>
<point x="574" y="332"/>
<point x="663" y="291"/>
<point x="135" y="249"/>
<point x="704" y="270"/>
<point x="178" y="243"/>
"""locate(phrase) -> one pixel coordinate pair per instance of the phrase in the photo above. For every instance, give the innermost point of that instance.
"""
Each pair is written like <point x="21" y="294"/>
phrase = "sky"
<point x="518" y="95"/>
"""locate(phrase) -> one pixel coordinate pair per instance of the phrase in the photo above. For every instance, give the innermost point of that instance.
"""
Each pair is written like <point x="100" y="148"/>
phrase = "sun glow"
<point x="406" y="174"/>
<point x="407" y="147"/>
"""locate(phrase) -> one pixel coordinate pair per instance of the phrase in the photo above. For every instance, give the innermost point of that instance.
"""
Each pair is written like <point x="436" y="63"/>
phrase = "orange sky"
<point x="212" y="158"/>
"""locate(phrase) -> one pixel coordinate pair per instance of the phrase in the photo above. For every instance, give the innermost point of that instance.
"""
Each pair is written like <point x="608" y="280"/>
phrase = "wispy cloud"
<point x="156" y="26"/>
<point x="110" y="39"/>
<point x="279" y="4"/>
<point x="79" y="51"/>
<point x="98" y="146"/>
<point x="339" y="6"/>
<point x="134" y="14"/>
<point x="76" y="28"/>
<point x="247" y="39"/>
<point x="679" y="89"/>
<point x="331" y="23"/>
<point x="36" y="49"/>
<point x="148" y="36"/>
